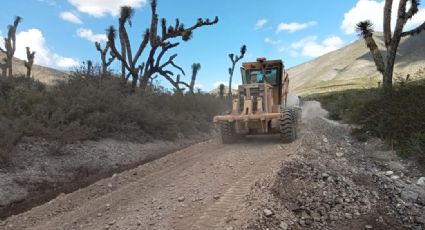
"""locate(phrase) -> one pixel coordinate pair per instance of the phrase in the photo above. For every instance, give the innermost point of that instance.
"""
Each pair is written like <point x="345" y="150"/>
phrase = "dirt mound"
<point x="337" y="183"/>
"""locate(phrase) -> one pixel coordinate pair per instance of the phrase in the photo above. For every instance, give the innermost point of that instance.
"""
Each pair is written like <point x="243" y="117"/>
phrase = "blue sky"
<point x="62" y="31"/>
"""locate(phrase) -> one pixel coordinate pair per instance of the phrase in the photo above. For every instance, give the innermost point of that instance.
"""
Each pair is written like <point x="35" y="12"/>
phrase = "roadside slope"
<point x="352" y="67"/>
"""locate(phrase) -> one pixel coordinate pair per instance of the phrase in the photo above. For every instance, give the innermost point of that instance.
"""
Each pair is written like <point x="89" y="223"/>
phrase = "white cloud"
<point x="89" y="35"/>
<point x="34" y="39"/>
<point x="272" y="42"/>
<point x="70" y="17"/>
<point x="261" y="23"/>
<point x="310" y="47"/>
<point x="373" y="10"/>
<point x="294" y="26"/>
<point x="100" y="8"/>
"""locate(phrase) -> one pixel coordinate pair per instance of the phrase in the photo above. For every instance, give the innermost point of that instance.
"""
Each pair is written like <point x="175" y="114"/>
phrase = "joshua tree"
<point x="365" y="29"/>
<point x="89" y="68"/>
<point x="10" y="47"/>
<point x="30" y="61"/>
<point x="234" y="58"/>
<point x="391" y="38"/>
<point x="195" y="69"/>
<point x="159" y="44"/>
<point x="103" y="52"/>
<point x="221" y="92"/>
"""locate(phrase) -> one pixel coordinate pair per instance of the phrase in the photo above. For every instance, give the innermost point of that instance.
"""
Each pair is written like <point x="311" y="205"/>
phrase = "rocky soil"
<point x="338" y="183"/>
<point x="323" y="180"/>
<point x="39" y="170"/>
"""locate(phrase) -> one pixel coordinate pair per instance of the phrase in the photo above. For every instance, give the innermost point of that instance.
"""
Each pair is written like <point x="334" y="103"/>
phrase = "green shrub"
<point x="398" y="117"/>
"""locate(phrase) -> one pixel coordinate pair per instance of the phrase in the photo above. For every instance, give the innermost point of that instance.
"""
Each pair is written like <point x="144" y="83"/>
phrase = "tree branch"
<point x="387" y="21"/>
<point x="415" y="31"/>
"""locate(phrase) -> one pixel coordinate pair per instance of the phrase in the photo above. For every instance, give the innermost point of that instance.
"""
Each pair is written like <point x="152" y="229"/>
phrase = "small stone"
<point x="283" y="226"/>
<point x="421" y="181"/>
<point x="139" y="223"/>
<point x="339" y="154"/>
<point x="389" y="173"/>
<point x="325" y="140"/>
<point x="325" y="175"/>
<point x="267" y="212"/>
<point x="181" y="216"/>
<point x="108" y="206"/>
<point x="409" y="195"/>
<point x="395" y="177"/>
<point x="109" y="185"/>
<point x="348" y="216"/>
<point x="99" y="214"/>
<point x="368" y="226"/>
<point x="180" y="199"/>
<point x="229" y="228"/>
<point x="112" y="222"/>
<point x="216" y="197"/>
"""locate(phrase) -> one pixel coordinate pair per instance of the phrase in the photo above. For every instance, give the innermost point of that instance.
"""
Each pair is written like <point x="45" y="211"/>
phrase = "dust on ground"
<point x="324" y="180"/>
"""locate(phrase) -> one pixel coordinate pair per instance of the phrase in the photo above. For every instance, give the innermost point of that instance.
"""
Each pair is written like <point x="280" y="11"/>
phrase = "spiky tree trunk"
<point x="234" y="59"/>
<point x="195" y="69"/>
<point x="89" y="68"/>
<point x="10" y="47"/>
<point x="103" y="52"/>
<point x="159" y="45"/>
<point x="392" y="39"/>
<point x="29" y="62"/>
<point x="221" y="91"/>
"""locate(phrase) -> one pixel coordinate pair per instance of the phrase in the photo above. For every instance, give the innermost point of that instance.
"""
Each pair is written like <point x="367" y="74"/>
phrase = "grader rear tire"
<point x="228" y="134"/>
<point x="287" y="126"/>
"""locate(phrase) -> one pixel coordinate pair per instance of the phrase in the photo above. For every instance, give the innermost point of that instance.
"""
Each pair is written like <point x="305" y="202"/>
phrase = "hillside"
<point x="352" y="67"/>
<point x="43" y="74"/>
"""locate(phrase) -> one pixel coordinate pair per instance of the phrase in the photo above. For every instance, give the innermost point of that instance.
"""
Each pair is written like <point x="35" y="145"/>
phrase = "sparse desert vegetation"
<point x="97" y="107"/>
<point x="399" y="121"/>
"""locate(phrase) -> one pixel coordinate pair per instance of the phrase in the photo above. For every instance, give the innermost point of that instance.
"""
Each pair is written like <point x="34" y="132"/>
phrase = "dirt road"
<point x="324" y="180"/>
<point x="199" y="187"/>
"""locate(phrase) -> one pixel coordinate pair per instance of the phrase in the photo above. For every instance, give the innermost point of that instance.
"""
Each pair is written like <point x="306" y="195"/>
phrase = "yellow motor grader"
<point x="260" y="106"/>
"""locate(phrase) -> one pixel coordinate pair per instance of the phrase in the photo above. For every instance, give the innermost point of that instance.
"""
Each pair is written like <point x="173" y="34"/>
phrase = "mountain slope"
<point x="43" y="74"/>
<point x="352" y="67"/>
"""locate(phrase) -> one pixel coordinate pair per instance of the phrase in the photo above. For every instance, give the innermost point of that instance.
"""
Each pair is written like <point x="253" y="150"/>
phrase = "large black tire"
<point x="296" y="114"/>
<point x="228" y="134"/>
<point x="287" y="126"/>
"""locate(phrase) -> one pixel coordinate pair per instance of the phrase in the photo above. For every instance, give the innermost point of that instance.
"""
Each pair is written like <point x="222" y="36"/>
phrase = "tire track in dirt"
<point x="148" y="197"/>
<point x="225" y="209"/>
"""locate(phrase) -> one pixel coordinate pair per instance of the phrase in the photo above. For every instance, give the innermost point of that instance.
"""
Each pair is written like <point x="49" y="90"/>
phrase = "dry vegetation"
<point x="98" y="107"/>
<point x="400" y="120"/>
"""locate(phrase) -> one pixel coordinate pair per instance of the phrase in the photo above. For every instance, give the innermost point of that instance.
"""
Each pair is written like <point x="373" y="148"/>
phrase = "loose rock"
<point x="267" y="212"/>
<point x="421" y="181"/>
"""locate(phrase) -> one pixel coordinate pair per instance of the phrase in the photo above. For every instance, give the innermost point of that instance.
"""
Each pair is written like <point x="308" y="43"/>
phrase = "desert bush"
<point x="98" y="107"/>
<point x="398" y="117"/>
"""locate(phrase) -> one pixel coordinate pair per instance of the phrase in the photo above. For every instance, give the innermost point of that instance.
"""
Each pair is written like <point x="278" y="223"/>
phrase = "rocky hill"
<point x="43" y="74"/>
<point x="352" y="67"/>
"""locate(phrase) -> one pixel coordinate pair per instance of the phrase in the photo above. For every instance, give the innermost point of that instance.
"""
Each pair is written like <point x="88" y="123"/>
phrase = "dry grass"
<point x="98" y="107"/>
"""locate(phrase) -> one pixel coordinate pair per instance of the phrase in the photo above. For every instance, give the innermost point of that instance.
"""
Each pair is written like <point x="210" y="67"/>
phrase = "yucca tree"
<point x="10" y="47"/>
<point x="234" y="59"/>
<point x="103" y="53"/>
<point x="392" y="37"/>
<point x="126" y="13"/>
<point x="160" y="42"/>
<point x="195" y="69"/>
<point x="365" y="29"/>
<point x="221" y="91"/>
<point x="30" y="61"/>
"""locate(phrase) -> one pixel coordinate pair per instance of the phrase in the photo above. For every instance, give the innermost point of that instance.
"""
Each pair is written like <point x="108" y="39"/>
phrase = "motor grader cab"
<point x="260" y="106"/>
